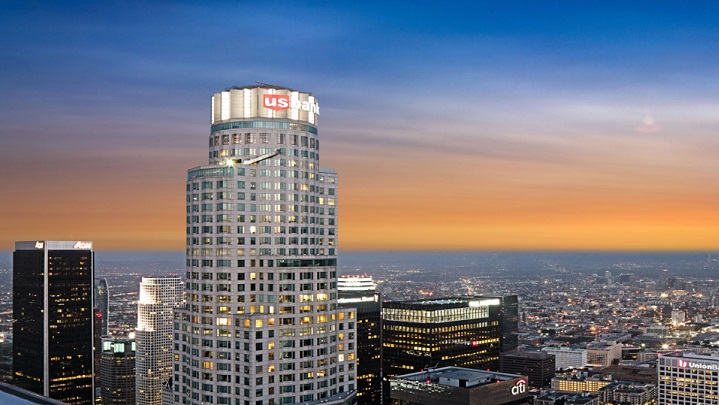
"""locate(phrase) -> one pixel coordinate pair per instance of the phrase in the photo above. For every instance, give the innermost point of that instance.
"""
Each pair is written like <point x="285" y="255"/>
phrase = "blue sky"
<point x="600" y="115"/>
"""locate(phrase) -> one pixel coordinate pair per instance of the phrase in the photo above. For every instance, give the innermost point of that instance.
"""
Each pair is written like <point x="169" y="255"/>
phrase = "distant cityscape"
<point x="631" y="306"/>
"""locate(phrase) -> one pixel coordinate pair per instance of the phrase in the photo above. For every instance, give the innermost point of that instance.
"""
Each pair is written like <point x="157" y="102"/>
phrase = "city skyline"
<point x="495" y="127"/>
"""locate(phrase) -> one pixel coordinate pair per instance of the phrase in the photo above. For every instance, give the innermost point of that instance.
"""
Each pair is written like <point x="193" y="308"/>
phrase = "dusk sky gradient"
<point x="471" y="125"/>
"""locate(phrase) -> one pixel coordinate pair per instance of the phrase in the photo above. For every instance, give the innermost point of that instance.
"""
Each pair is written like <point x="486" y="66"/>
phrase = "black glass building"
<point x="118" y="371"/>
<point x="465" y="332"/>
<point x="359" y="292"/>
<point x="53" y="314"/>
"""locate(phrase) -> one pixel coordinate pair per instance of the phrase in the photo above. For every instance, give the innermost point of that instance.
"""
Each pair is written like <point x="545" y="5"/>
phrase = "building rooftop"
<point x="12" y="395"/>
<point x="451" y="374"/>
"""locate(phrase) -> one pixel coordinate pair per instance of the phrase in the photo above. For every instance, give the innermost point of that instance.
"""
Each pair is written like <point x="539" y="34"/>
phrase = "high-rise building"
<point x="688" y="378"/>
<point x="440" y="332"/>
<point x="509" y="321"/>
<point x="261" y="324"/>
<point x="417" y="335"/>
<point x="118" y="371"/>
<point x="153" y="336"/>
<point x="102" y="303"/>
<point x="360" y="292"/>
<point x="53" y="313"/>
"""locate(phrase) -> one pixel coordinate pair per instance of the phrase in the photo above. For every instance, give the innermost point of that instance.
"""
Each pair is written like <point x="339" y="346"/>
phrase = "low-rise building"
<point x="458" y="386"/>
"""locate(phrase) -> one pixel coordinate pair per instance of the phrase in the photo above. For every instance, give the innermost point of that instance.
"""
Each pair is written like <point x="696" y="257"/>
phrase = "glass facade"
<point x="53" y="309"/>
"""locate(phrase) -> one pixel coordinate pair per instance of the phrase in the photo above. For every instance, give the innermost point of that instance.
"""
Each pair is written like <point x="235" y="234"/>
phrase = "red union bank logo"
<point x="519" y="388"/>
<point x="276" y="101"/>
<point x="682" y="363"/>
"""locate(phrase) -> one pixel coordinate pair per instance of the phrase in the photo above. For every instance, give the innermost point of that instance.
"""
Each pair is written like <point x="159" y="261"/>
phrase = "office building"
<point x="102" y="303"/>
<point x="440" y="332"/>
<point x="603" y="353"/>
<point x="567" y="357"/>
<point x="97" y="351"/>
<point x="153" y="336"/>
<point x="261" y="324"/>
<point x="687" y="378"/>
<point x="509" y="322"/>
<point x="458" y="386"/>
<point x="54" y="319"/>
<point x="536" y="365"/>
<point x="360" y="292"/>
<point x="628" y="393"/>
<point x="118" y="371"/>
<point x="580" y="383"/>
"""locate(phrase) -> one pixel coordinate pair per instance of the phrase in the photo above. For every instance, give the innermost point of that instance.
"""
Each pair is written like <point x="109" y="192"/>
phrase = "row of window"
<point x="263" y="252"/>
<point x="241" y="195"/>
<point x="263" y="125"/>
<point x="264" y="138"/>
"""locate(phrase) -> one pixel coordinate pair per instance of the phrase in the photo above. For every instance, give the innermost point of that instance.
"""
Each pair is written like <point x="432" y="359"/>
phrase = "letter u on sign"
<point x="276" y="101"/>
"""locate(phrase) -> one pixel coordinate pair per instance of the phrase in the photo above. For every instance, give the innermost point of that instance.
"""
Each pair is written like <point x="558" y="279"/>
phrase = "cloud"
<point x="649" y="126"/>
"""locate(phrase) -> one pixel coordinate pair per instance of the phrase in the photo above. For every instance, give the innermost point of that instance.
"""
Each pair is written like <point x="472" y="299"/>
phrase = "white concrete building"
<point x="603" y="353"/>
<point x="153" y="336"/>
<point x="261" y="324"/>
<point x="566" y="357"/>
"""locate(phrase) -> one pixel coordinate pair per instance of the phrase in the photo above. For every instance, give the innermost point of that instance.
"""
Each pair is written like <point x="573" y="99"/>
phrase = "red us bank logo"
<point x="276" y="101"/>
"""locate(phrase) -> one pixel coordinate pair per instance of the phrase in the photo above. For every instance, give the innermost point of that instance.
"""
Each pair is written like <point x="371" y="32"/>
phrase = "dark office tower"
<point x="96" y="351"/>
<point x="537" y="366"/>
<point x="118" y="371"/>
<point x="359" y="293"/>
<point x="102" y="310"/>
<point x="509" y="322"/>
<point x="443" y="332"/>
<point x="52" y="309"/>
<point x="102" y="303"/>
<point x="261" y="324"/>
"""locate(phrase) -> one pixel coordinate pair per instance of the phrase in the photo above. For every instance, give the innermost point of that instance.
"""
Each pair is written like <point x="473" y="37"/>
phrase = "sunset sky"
<point x="477" y="125"/>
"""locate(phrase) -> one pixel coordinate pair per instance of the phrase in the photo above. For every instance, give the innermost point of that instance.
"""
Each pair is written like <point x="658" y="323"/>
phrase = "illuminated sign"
<point x="83" y="245"/>
<point x="358" y="299"/>
<point x="519" y="388"/>
<point x="276" y="101"/>
<point x="702" y="366"/>
<point x="474" y="304"/>
<point x="39" y="245"/>
<point x="280" y="102"/>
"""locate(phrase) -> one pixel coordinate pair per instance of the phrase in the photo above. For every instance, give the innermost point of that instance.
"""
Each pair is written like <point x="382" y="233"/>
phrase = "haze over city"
<point x="517" y="126"/>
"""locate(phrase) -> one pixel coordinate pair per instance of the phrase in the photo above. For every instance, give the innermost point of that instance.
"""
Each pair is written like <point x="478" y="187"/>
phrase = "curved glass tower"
<point x="261" y="324"/>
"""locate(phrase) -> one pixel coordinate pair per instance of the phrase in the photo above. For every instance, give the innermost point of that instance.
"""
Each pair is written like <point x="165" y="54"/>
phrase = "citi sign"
<point x="703" y="366"/>
<point x="279" y="102"/>
<point x="519" y="388"/>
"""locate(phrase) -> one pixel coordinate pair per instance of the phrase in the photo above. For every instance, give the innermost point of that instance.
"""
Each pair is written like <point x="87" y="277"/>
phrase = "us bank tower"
<point x="261" y="324"/>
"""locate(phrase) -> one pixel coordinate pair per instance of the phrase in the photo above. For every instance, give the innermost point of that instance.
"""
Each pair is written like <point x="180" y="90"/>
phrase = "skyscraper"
<point x="102" y="303"/>
<point x="153" y="336"/>
<point x="118" y="371"/>
<point x="53" y="313"/>
<point x="420" y="334"/>
<point x="261" y="324"/>
<point x="360" y="293"/>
